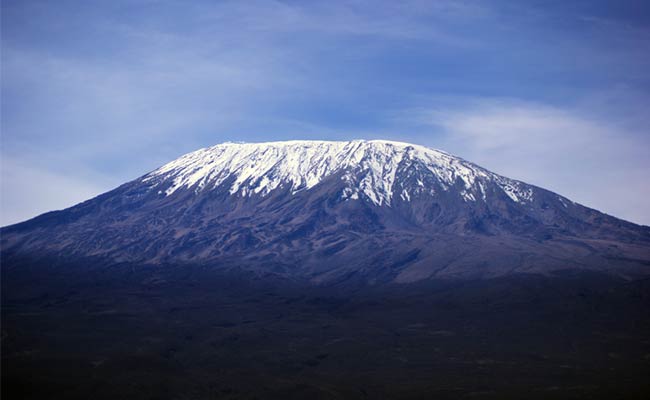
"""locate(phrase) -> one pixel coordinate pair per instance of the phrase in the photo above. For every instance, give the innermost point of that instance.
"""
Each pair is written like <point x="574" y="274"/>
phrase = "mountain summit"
<point x="370" y="169"/>
<point x="361" y="211"/>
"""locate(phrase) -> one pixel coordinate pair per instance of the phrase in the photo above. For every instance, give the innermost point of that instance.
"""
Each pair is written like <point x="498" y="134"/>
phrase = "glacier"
<point x="260" y="168"/>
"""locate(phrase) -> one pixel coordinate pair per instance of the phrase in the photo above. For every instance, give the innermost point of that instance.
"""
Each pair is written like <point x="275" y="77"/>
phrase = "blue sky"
<point x="554" y="93"/>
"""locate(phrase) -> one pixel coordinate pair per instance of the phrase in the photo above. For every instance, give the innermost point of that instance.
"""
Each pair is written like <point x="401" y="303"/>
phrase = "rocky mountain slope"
<point x="366" y="212"/>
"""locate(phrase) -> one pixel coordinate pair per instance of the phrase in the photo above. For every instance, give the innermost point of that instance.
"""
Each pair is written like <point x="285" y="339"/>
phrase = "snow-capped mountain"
<point x="370" y="167"/>
<point x="332" y="212"/>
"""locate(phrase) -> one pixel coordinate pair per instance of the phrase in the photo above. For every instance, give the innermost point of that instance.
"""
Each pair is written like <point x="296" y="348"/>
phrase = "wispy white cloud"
<point x="591" y="160"/>
<point x="28" y="190"/>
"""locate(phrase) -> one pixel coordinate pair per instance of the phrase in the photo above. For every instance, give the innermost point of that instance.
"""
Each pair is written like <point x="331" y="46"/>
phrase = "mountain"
<point x="357" y="212"/>
<point x="325" y="270"/>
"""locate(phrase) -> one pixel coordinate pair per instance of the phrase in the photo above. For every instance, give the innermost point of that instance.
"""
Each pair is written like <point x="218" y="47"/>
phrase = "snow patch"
<point x="371" y="168"/>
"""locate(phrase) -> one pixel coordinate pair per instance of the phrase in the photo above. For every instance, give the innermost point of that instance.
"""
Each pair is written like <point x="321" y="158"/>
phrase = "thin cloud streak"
<point x="46" y="191"/>
<point x="591" y="161"/>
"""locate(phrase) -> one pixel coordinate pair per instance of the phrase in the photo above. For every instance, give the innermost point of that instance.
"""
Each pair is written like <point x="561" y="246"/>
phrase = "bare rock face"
<point x="368" y="212"/>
